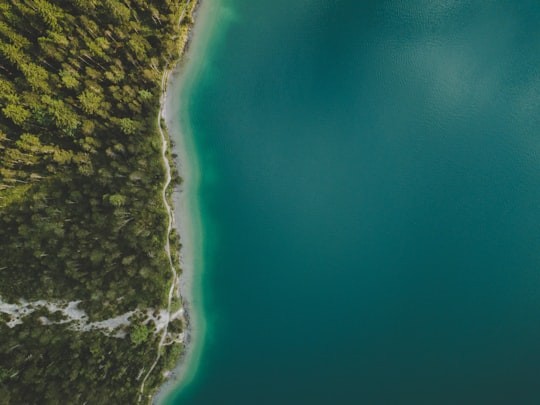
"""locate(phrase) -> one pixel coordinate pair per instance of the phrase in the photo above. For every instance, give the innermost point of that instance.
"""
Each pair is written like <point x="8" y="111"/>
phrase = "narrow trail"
<point x="164" y="149"/>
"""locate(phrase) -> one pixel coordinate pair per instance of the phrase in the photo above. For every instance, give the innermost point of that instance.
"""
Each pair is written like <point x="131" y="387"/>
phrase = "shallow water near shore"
<point x="368" y="194"/>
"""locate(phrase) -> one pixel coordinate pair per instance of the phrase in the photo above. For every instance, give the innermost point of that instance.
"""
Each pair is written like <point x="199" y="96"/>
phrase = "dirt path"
<point x="164" y="150"/>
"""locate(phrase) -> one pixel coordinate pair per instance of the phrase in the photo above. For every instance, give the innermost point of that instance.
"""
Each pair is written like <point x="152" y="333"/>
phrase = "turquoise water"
<point x="370" y="191"/>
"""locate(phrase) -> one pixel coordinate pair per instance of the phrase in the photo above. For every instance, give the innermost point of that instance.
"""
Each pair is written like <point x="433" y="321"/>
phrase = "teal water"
<point x="370" y="194"/>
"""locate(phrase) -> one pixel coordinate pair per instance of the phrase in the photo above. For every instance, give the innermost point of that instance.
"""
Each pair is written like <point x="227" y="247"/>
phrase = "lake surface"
<point x="370" y="202"/>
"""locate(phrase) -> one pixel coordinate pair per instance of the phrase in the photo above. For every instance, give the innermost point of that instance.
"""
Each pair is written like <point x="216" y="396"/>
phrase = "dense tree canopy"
<point x="81" y="215"/>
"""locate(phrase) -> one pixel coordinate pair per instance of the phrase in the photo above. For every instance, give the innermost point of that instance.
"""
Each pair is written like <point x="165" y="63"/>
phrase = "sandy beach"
<point x="185" y="199"/>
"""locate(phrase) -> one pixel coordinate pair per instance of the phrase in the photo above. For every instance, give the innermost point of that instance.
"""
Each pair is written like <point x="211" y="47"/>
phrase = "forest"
<point x="81" y="214"/>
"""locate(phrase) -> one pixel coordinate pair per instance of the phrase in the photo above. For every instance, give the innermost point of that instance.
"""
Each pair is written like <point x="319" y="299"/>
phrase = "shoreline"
<point x="185" y="207"/>
<point x="170" y="168"/>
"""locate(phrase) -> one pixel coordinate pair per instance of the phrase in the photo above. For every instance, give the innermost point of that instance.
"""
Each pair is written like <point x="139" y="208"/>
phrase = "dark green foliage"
<point x="172" y="355"/>
<point x="139" y="334"/>
<point x="81" y="215"/>
<point x="76" y="367"/>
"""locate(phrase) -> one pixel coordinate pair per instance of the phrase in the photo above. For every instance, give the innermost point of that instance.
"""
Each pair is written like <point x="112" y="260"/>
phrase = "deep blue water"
<point x="370" y="200"/>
